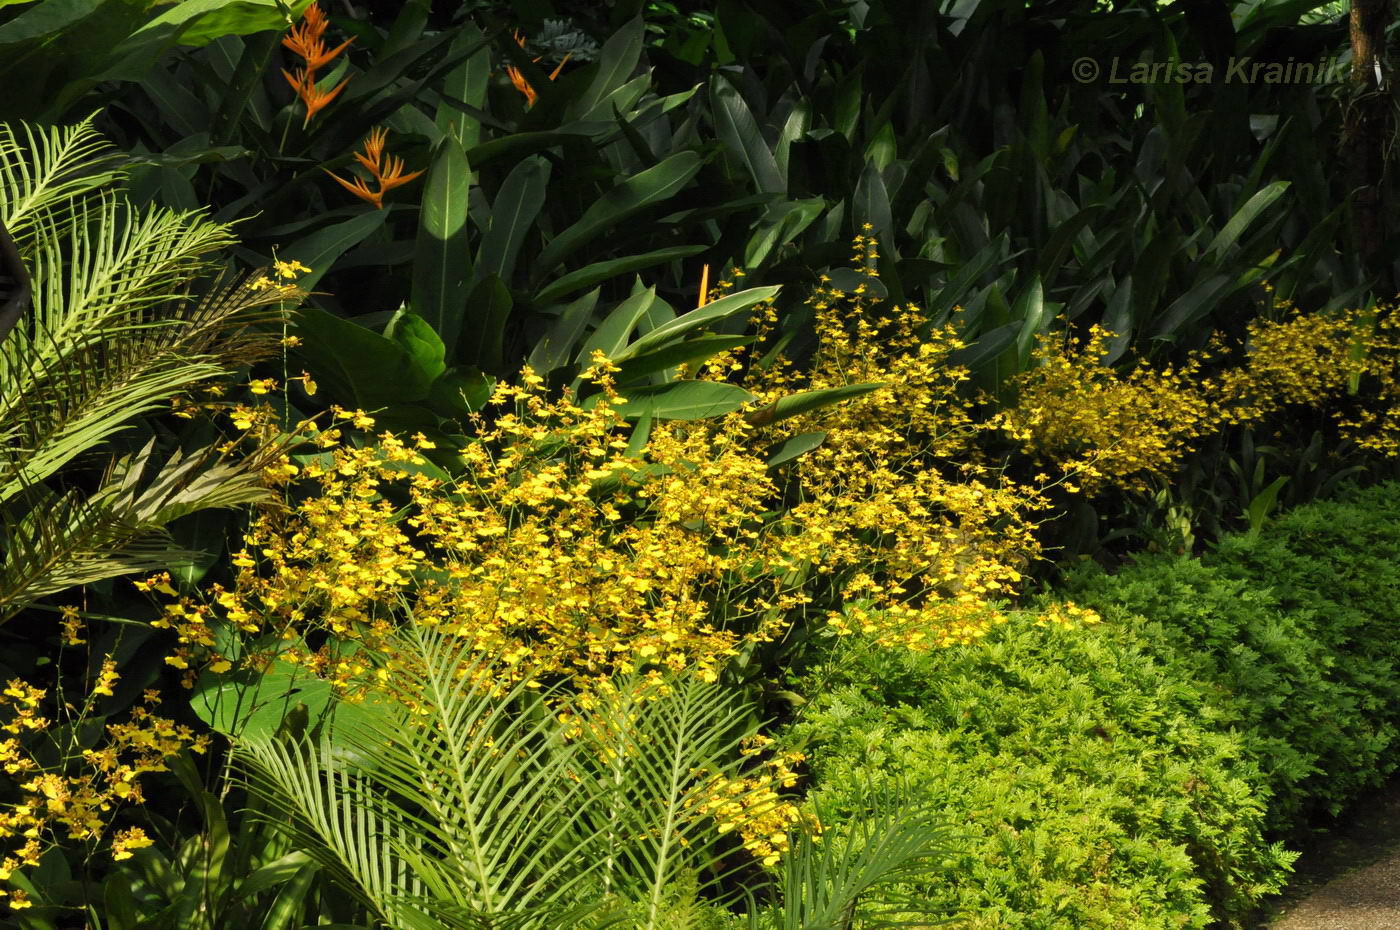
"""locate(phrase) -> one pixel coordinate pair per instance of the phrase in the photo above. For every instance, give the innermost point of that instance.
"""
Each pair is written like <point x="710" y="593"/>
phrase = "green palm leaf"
<point x="115" y="330"/>
<point x="480" y="810"/>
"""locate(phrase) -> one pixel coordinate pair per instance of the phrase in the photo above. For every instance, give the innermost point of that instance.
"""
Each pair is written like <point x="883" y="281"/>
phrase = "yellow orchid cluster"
<point x="1107" y="428"/>
<point x="911" y="536"/>
<point x="553" y="554"/>
<point x="81" y="793"/>
<point x="752" y="804"/>
<point x="1121" y="429"/>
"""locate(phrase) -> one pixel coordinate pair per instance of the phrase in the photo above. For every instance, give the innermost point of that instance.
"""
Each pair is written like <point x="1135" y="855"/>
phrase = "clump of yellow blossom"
<point x="751" y="803"/>
<point x="898" y="532"/>
<point x="76" y="796"/>
<point x="1115" y="429"/>
<point x="1106" y="427"/>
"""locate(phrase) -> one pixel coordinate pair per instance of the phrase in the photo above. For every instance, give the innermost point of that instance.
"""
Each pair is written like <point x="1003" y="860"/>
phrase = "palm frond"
<point x="652" y="751"/>
<point x="852" y="876"/>
<point x="46" y="174"/>
<point x="68" y="539"/>
<point x="58" y="400"/>
<point x="481" y="808"/>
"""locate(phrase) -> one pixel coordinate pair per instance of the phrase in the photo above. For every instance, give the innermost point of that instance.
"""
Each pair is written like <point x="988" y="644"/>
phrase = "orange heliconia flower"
<point x="523" y="85"/>
<point x="305" y="39"/>
<point x="386" y="169"/>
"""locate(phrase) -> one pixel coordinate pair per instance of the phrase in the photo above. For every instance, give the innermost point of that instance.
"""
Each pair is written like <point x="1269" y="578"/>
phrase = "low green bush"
<point x="1145" y="772"/>
<point x="1093" y="787"/>
<point x="1296" y="632"/>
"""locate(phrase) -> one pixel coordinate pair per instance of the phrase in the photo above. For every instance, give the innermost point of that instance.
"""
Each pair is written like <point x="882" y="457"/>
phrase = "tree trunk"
<point x="1364" y="136"/>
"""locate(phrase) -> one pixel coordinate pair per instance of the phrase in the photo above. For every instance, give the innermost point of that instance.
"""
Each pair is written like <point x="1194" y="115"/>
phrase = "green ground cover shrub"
<point x="1143" y="773"/>
<point x="1295" y="633"/>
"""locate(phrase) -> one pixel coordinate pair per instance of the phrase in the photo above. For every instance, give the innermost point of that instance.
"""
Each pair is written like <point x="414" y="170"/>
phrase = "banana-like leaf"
<point x="1238" y="223"/>
<point x="560" y="340"/>
<point x="598" y="272"/>
<point x="613" y="332"/>
<point x="683" y="400"/>
<point x="687" y="323"/>
<point x="807" y="401"/>
<point x="441" y="259"/>
<point x="739" y="131"/>
<point x="780" y="453"/>
<point x="628" y="197"/>
<point x="690" y="352"/>
<point x="513" y="215"/>
<point x="467" y="83"/>
<point x="319" y="250"/>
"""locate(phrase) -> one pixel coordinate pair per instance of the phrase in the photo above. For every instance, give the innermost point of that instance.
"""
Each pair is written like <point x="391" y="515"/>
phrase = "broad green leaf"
<point x="248" y="704"/>
<point x="957" y="290"/>
<point x="848" y="104"/>
<point x="560" y="340"/>
<point x="807" y="401"/>
<point x="517" y="145"/>
<point x="783" y="452"/>
<point x="513" y="214"/>
<point x="1192" y="306"/>
<point x="459" y="392"/>
<point x="686" y="323"/>
<point x="358" y="366"/>
<point x="1246" y="215"/>
<point x="319" y="250"/>
<point x="617" y="59"/>
<point x="1062" y="240"/>
<point x="482" y="342"/>
<point x="882" y="148"/>
<point x="203" y="21"/>
<point x="422" y="343"/>
<point x="612" y="334"/>
<point x="1118" y="319"/>
<point x="120" y="903"/>
<point x="849" y="280"/>
<point x="638" y="192"/>
<point x="441" y="258"/>
<point x="784" y="223"/>
<point x="467" y="83"/>
<point x="1031" y="310"/>
<point x="682" y="353"/>
<point x="621" y="100"/>
<point x="589" y="275"/>
<point x="48" y="18"/>
<point x="798" y="122"/>
<point x="273" y="874"/>
<point x="988" y="346"/>
<point x="740" y="133"/>
<point x="871" y="204"/>
<point x="1262" y="503"/>
<point x="683" y="400"/>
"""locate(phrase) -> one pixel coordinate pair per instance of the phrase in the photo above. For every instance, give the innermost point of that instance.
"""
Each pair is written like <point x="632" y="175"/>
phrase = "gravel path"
<point x="1367" y="899"/>
<point x="1351" y="880"/>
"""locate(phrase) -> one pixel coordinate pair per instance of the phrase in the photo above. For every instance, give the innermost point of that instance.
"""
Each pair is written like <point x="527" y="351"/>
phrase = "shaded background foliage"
<point x="1007" y="196"/>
